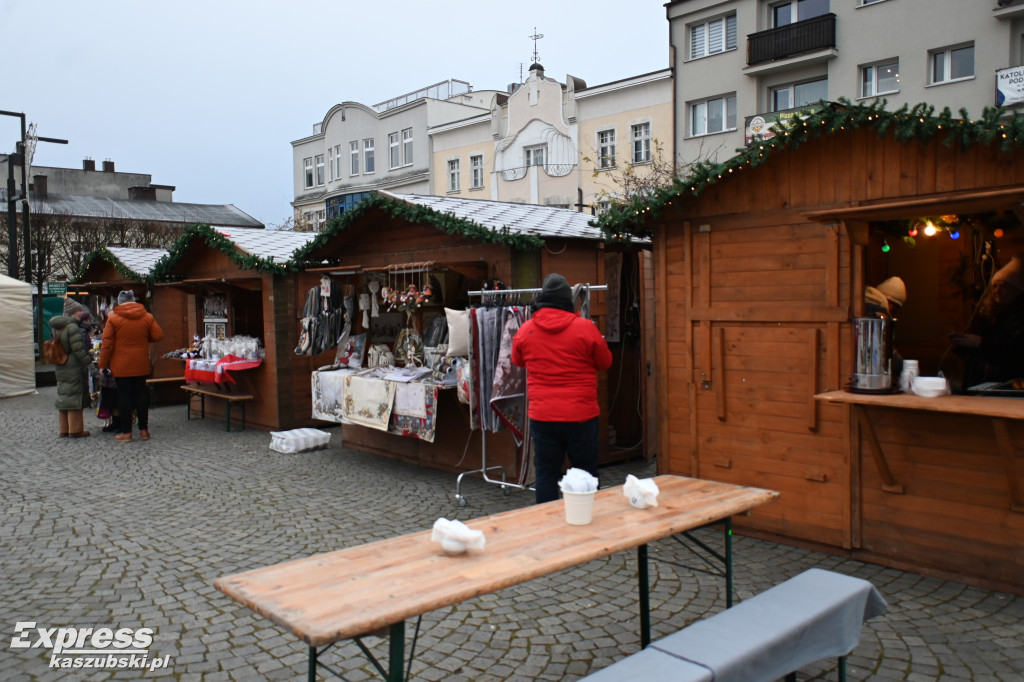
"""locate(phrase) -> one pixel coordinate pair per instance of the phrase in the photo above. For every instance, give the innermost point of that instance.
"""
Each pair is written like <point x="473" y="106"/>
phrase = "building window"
<point x="330" y="163"/>
<point x="712" y="37"/>
<point x="535" y="156"/>
<point x="394" y="150"/>
<point x="368" y="155"/>
<point x="641" y="143"/>
<point x="606" y="148"/>
<point x="337" y="162"/>
<point x="315" y="219"/>
<point x="880" y="79"/>
<point x="713" y="116"/>
<point x="792" y="11"/>
<point x="353" y="151"/>
<point x="476" y="165"/>
<point x="319" y="169"/>
<point x="407" y="146"/>
<point x="793" y="95"/>
<point x="453" y="175"/>
<point x="952" y="64"/>
<point x="307" y="164"/>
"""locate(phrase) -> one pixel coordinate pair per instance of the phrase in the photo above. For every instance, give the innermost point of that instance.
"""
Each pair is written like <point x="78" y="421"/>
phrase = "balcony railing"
<point x="802" y="37"/>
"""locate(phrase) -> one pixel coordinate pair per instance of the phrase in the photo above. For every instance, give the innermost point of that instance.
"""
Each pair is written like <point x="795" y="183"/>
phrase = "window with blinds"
<point x="712" y="37"/>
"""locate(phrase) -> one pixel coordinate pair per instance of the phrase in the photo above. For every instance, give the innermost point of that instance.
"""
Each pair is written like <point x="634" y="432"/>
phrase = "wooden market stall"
<point x="235" y="283"/>
<point x="459" y="246"/>
<point x="108" y="271"/>
<point x="761" y="262"/>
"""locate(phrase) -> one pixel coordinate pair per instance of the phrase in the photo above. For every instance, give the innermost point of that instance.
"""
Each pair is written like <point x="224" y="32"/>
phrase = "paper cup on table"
<point x="579" y="507"/>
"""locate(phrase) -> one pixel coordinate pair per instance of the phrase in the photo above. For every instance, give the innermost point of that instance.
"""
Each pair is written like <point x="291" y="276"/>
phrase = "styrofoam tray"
<point x="299" y="440"/>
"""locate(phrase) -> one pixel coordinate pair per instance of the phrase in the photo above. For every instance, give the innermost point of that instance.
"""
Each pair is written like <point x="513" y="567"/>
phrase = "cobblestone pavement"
<point x="133" y="535"/>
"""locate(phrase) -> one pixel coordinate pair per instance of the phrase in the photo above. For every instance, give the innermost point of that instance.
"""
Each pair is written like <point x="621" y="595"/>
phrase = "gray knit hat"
<point x="126" y="296"/>
<point x="71" y="306"/>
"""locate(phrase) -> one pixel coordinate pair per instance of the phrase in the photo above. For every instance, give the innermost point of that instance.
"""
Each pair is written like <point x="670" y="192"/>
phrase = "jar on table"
<point x="907" y="376"/>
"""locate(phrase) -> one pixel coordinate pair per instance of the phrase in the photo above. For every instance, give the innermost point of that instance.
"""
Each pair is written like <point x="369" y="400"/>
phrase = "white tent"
<point x="17" y="350"/>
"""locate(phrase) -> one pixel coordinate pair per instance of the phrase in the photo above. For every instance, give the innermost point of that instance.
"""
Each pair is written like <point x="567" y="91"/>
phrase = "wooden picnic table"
<point x="352" y="592"/>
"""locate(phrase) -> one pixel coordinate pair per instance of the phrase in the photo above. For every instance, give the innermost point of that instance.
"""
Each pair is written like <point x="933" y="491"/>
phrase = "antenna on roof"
<point x="535" y="37"/>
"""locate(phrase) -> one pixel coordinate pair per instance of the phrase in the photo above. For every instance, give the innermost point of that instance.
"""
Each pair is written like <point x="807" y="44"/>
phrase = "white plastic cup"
<point x="579" y="508"/>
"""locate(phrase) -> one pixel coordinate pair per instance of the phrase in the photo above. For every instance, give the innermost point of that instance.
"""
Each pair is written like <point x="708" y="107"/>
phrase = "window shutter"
<point x="730" y="32"/>
<point x="697" y="41"/>
<point x="715" y="36"/>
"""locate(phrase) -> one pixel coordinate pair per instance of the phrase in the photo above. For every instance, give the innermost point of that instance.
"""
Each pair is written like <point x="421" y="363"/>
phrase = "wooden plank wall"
<point x="955" y="512"/>
<point x="754" y="302"/>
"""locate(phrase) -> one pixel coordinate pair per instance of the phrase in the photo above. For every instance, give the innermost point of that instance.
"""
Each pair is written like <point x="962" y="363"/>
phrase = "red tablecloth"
<point x="218" y="374"/>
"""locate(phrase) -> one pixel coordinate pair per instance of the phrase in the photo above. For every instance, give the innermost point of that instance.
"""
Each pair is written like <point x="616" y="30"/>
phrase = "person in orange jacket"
<point x="125" y="352"/>
<point x="562" y="353"/>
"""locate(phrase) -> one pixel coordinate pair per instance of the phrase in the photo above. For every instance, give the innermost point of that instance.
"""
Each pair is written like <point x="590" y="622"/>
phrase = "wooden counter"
<point x="937" y="483"/>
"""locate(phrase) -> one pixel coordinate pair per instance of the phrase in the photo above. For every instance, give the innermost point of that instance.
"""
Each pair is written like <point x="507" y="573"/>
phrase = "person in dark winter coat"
<point x="73" y="375"/>
<point x="125" y="352"/>
<point x="562" y="353"/>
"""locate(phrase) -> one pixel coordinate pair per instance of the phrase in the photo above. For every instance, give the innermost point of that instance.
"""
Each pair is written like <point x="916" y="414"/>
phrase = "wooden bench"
<point x="817" y="614"/>
<point x="156" y="382"/>
<point x="192" y="391"/>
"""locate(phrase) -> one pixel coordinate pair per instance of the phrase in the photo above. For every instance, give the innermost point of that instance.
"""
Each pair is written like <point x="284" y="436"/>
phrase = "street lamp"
<point x="12" y="215"/>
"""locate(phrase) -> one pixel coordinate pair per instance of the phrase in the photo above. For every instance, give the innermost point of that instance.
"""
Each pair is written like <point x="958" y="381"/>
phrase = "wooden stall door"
<point x="755" y="423"/>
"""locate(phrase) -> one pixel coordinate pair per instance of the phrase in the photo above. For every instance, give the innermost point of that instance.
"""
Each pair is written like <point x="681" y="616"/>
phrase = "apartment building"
<point x="556" y="144"/>
<point x="742" y="65"/>
<point x="359" y="148"/>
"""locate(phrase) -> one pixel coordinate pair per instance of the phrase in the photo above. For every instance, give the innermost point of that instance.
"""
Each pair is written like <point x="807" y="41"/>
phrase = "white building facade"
<point x="359" y="148"/>
<point x="556" y="144"/>
<point x="740" y="65"/>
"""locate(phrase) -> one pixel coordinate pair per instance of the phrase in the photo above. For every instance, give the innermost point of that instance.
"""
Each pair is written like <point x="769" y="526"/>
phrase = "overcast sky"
<point x="208" y="95"/>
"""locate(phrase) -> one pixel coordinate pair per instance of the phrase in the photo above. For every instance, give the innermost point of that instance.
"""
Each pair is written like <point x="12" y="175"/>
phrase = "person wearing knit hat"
<point x="562" y="353"/>
<point x="125" y="352"/>
<point x="71" y="306"/>
<point x="72" y="376"/>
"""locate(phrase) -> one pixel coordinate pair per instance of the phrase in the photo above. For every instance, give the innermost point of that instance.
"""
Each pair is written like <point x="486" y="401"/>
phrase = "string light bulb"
<point x="885" y="247"/>
<point x="930" y="230"/>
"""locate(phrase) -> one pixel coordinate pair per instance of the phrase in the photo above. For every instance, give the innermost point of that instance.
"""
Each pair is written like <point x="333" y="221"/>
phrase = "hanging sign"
<point x="1009" y="86"/>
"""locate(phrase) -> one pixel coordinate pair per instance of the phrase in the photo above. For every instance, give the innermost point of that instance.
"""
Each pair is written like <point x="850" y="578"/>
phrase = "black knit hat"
<point x="556" y="293"/>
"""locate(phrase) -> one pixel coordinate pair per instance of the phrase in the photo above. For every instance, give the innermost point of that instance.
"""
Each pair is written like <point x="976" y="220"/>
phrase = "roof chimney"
<point x="108" y="166"/>
<point x="39" y="186"/>
<point x="140" y="193"/>
<point x="88" y="164"/>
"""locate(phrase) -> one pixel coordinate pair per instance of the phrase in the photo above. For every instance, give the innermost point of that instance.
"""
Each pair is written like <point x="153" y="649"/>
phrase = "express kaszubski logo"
<point x="103" y="647"/>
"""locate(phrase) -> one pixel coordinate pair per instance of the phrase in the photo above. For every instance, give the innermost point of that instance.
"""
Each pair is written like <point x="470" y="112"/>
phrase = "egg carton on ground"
<point x="299" y="440"/>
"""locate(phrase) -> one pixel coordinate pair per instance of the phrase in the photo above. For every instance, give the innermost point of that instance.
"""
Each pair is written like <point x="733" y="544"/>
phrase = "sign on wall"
<point x="1010" y="86"/>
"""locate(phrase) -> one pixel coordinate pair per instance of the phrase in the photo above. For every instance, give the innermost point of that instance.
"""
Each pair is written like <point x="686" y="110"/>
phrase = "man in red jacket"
<point x="562" y="353"/>
<point x="125" y="352"/>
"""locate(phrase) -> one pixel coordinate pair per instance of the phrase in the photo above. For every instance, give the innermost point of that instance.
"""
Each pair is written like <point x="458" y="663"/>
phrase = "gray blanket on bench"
<point x="816" y="615"/>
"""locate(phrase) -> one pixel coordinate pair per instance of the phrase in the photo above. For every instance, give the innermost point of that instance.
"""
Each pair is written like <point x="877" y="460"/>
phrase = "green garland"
<point x="413" y="213"/>
<point x="634" y="217"/>
<point x="102" y="253"/>
<point x="214" y="239"/>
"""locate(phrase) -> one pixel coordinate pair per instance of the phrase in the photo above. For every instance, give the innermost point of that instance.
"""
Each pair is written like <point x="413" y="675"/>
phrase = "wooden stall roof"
<point x="524" y="227"/>
<point x="994" y="129"/>
<point x="964" y="202"/>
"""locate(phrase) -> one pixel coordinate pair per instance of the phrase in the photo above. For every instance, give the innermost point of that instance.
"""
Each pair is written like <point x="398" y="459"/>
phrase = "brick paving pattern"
<point x="133" y="535"/>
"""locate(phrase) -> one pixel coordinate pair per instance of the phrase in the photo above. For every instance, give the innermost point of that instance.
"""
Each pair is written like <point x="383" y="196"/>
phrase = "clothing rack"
<point x="517" y="295"/>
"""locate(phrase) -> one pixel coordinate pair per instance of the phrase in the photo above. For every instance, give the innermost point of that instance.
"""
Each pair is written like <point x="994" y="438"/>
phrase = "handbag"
<point x="53" y="351"/>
